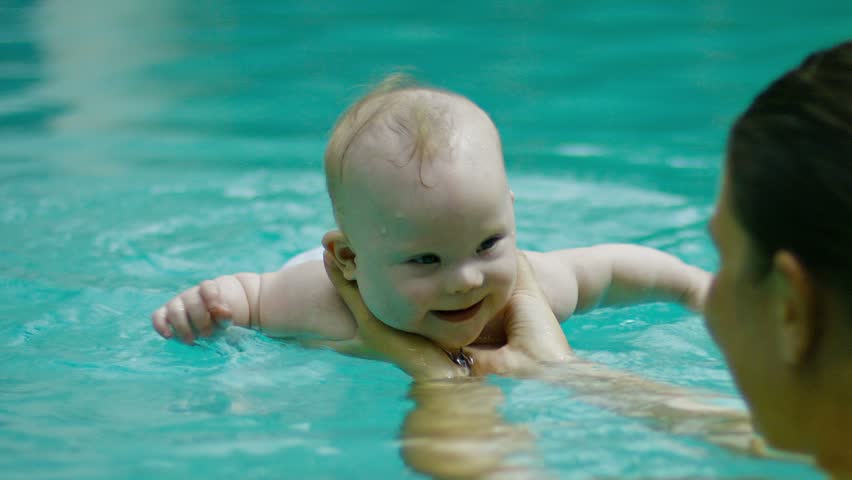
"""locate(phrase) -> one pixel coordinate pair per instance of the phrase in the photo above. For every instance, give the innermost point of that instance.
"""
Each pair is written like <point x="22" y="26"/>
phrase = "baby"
<point x="426" y="228"/>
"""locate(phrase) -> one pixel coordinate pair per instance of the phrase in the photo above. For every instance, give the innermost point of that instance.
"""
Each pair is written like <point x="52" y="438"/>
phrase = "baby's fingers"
<point x="158" y="321"/>
<point x="697" y="295"/>
<point x="197" y="313"/>
<point x="176" y="317"/>
<point x="212" y="300"/>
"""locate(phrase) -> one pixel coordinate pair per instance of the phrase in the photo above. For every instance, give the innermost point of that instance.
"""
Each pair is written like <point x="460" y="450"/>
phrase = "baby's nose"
<point x="464" y="278"/>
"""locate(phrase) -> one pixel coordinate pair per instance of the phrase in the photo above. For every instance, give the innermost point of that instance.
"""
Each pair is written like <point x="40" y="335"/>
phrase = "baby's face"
<point x="441" y="273"/>
<point x="437" y="260"/>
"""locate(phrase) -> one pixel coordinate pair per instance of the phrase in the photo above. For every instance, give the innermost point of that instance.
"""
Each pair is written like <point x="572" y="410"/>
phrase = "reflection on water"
<point x="456" y="430"/>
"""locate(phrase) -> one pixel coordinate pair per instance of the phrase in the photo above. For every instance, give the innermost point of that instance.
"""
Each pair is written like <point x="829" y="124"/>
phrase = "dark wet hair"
<point x="790" y="167"/>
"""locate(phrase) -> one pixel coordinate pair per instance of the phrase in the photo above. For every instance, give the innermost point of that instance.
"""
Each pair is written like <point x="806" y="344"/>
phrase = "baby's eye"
<point x="488" y="244"/>
<point x="427" y="259"/>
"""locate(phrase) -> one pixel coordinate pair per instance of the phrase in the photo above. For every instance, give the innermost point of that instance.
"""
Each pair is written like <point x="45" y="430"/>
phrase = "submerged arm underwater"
<point x="456" y="430"/>
<point x="537" y="349"/>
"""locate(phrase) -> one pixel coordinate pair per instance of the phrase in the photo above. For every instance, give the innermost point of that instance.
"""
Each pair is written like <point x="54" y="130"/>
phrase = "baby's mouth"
<point x="456" y="316"/>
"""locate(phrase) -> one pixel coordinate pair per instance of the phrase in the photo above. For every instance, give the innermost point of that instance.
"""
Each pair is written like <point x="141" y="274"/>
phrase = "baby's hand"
<point x="197" y="311"/>
<point x="697" y="293"/>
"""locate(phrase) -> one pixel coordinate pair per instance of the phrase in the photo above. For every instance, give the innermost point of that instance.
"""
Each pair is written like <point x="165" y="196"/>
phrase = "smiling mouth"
<point x="456" y="316"/>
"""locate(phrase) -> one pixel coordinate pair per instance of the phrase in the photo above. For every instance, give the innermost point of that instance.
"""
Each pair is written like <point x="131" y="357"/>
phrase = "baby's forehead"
<point x="416" y="125"/>
<point x="423" y="142"/>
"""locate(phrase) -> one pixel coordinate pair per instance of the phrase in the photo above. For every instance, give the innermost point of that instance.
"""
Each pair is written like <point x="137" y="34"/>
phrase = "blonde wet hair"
<point x="397" y="106"/>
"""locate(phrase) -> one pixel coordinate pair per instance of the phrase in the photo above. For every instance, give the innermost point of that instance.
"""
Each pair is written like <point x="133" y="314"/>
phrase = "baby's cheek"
<point x="506" y="272"/>
<point x="419" y="294"/>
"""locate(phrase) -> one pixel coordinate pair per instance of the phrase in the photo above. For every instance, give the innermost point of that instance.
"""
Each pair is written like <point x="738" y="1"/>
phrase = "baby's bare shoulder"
<point x="557" y="277"/>
<point x="553" y="260"/>
<point x="300" y="302"/>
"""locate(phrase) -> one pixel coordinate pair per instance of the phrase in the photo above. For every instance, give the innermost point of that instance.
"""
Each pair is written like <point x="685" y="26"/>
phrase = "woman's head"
<point x="790" y="167"/>
<point x="779" y="307"/>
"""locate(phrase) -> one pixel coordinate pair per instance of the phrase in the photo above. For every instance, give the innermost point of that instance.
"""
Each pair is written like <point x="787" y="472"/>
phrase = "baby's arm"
<point x="616" y="274"/>
<point x="298" y="302"/>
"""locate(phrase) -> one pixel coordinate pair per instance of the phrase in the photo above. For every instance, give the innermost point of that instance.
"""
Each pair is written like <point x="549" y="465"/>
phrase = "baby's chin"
<point x="455" y="342"/>
<point x="451" y="344"/>
<point x="490" y="334"/>
<point x="448" y="340"/>
<point x="477" y="331"/>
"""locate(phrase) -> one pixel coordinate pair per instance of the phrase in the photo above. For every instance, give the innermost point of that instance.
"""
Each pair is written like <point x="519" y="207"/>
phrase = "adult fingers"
<point x="531" y="325"/>
<point x="347" y="290"/>
<point x="177" y="318"/>
<point x="503" y="360"/>
<point x="486" y="361"/>
<point x="526" y="277"/>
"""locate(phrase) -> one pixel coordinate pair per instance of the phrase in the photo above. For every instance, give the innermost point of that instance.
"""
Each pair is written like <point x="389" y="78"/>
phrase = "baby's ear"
<point x="512" y="196"/>
<point x="336" y="243"/>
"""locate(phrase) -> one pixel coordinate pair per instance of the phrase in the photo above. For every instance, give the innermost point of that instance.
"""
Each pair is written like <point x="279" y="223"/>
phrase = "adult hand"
<point x="533" y="333"/>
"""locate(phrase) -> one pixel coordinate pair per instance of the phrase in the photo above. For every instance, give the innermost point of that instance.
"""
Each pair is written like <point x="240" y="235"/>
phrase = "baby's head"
<point x="421" y="198"/>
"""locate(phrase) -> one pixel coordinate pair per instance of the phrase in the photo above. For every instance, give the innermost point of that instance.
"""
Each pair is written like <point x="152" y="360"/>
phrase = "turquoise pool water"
<point x="145" y="146"/>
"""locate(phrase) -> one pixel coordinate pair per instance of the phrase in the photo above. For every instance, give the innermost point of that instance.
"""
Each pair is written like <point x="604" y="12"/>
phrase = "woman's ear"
<point x="798" y="318"/>
<point x="336" y="243"/>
